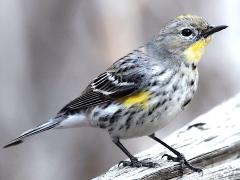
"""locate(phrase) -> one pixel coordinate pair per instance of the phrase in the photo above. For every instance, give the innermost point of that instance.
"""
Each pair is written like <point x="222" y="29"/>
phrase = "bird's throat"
<point x="194" y="53"/>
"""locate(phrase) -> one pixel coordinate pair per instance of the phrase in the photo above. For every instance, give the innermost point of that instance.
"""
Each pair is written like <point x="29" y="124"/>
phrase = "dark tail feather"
<point x="44" y="127"/>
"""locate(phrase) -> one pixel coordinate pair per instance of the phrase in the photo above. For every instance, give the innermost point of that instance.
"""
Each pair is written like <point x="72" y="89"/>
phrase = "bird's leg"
<point x="180" y="157"/>
<point x="133" y="160"/>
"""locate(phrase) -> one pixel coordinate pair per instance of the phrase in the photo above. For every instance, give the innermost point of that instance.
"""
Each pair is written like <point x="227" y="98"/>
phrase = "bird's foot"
<point x="182" y="160"/>
<point x="135" y="163"/>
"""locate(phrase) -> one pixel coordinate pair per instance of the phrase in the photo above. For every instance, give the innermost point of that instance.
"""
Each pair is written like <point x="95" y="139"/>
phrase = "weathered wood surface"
<point x="211" y="141"/>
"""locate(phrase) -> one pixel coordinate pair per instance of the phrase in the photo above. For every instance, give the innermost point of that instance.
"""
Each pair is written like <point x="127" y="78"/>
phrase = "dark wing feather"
<point x="105" y="88"/>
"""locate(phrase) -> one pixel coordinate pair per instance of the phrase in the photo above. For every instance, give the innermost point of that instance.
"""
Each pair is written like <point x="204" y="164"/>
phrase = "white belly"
<point x="176" y="99"/>
<point x="151" y="124"/>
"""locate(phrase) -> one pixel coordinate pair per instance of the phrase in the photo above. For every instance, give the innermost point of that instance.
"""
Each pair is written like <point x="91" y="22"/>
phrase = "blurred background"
<point x="50" y="50"/>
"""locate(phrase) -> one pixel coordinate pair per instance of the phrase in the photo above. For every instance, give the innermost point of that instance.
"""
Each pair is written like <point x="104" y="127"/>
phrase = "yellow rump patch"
<point x="195" y="52"/>
<point x="140" y="99"/>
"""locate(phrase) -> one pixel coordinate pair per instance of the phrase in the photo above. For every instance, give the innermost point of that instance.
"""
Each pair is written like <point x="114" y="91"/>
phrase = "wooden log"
<point x="211" y="142"/>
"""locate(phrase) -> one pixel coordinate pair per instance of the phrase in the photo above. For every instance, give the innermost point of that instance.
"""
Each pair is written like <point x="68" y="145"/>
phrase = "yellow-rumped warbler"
<point x="142" y="91"/>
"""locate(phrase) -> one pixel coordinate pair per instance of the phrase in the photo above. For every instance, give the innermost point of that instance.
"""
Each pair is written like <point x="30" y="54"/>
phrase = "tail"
<point x="44" y="127"/>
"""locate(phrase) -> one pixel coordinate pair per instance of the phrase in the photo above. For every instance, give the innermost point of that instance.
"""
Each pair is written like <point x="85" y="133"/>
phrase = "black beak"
<point x="211" y="30"/>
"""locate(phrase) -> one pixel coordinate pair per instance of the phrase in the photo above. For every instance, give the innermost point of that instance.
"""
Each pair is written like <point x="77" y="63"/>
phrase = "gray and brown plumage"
<point x="142" y="91"/>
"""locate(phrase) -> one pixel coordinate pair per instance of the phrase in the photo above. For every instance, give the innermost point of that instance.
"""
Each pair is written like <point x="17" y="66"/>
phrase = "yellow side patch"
<point x="140" y="99"/>
<point x="195" y="52"/>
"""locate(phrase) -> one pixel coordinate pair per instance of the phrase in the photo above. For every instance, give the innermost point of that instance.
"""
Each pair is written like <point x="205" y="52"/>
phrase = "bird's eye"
<point x="186" y="32"/>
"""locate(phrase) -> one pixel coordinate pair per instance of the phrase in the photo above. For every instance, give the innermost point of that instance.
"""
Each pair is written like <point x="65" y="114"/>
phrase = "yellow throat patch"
<point x="195" y="52"/>
<point x="140" y="99"/>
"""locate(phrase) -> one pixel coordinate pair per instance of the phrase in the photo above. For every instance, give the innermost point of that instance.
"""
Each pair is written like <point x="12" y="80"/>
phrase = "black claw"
<point x="165" y="155"/>
<point x="121" y="162"/>
<point x="170" y="158"/>
<point x="195" y="169"/>
<point x="182" y="160"/>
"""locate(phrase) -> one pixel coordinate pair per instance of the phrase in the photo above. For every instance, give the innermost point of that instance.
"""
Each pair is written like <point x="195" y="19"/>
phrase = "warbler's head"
<point x="186" y="35"/>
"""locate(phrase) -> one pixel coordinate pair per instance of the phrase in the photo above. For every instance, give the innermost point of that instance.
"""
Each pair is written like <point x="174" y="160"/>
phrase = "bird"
<point x="141" y="92"/>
